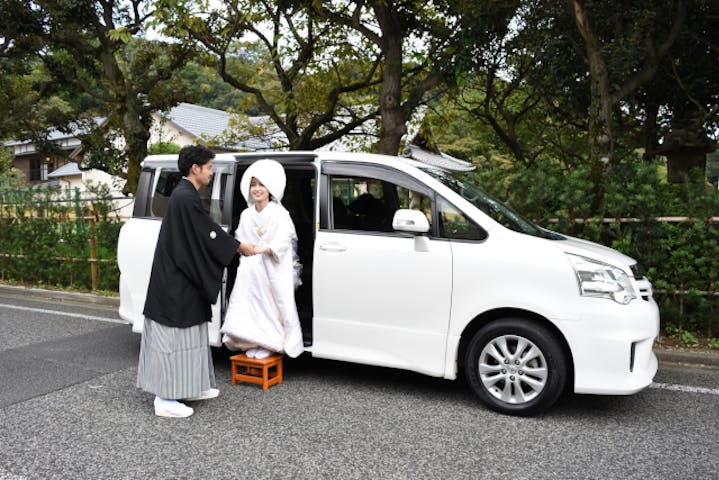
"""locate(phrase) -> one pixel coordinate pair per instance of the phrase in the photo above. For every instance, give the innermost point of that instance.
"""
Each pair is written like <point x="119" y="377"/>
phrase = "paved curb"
<point x="671" y="355"/>
<point x="665" y="355"/>
<point x="59" y="295"/>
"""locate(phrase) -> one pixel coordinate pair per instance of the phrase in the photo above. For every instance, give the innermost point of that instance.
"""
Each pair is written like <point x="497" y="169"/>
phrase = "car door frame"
<point x="146" y="185"/>
<point x="404" y="179"/>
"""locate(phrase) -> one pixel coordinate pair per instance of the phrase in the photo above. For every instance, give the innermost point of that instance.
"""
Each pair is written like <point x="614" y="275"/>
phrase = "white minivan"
<point x="407" y="266"/>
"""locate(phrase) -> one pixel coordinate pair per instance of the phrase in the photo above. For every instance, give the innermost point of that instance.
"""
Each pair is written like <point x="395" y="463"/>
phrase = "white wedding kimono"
<point x="262" y="310"/>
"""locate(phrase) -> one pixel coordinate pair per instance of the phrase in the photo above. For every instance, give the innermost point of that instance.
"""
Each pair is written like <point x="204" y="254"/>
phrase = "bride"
<point x="262" y="315"/>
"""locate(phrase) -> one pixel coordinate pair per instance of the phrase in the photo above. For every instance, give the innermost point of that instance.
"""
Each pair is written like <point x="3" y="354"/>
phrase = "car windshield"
<point x="497" y="210"/>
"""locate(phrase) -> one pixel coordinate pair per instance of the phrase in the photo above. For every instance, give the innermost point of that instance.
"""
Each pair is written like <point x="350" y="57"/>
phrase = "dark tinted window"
<point x="166" y="183"/>
<point x="454" y="224"/>
<point x="369" y="204"/>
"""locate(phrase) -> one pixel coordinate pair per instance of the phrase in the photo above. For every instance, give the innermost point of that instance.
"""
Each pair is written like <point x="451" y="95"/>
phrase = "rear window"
<point x="162" y="182"/>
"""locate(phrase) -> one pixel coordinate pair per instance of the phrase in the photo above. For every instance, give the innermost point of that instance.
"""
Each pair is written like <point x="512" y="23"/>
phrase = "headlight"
<point x="598" y="279"/>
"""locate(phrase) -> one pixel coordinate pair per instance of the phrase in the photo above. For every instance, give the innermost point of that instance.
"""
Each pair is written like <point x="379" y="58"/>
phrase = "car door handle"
<point x="332" y="247"/>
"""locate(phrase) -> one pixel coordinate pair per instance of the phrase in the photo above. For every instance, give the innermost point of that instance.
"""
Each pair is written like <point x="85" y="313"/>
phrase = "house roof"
<point x="55" y="135"/>
<point x="204" y="122"/>
<point x="68" y="170"/>
<point x="441" y="160"/>
<point x="197" y="121"/>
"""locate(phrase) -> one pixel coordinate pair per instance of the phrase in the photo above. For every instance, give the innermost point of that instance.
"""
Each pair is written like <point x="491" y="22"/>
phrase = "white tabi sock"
<point x="262" y="353"/>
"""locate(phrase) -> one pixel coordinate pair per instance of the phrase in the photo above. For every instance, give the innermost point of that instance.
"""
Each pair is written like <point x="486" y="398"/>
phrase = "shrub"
<point x="45" y="239"/>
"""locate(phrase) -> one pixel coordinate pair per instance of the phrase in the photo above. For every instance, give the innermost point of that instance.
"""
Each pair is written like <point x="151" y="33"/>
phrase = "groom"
<point x="192" y="250"/>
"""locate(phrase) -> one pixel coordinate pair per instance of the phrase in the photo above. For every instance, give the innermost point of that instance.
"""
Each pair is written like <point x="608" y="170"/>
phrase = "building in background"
<point x="36" y="165"/>
<point x="184" y="124"/>
<point x="188" y="124"/>
<point x="76" y="183"/>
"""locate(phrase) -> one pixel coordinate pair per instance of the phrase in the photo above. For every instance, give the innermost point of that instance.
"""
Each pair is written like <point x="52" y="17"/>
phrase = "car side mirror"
<point x="413" y="221"/>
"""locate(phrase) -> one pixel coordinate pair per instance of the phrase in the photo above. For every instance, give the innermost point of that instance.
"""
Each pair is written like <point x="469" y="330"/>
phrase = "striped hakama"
<point x="175" y="363"/>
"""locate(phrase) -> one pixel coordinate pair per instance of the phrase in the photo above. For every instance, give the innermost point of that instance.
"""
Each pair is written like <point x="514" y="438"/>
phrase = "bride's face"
<point x="259" y="192"/>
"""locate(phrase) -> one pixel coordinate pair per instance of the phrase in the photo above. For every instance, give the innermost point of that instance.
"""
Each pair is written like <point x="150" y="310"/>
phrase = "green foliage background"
<point x="38" y="227"/>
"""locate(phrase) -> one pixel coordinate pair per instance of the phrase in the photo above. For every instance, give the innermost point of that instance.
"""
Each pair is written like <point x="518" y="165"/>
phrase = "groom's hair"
<point x="191" y="155"/>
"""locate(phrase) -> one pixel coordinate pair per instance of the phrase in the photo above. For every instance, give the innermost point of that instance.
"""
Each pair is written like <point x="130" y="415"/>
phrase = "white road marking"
<point x="685" y="388"/>
<point x="65" y="314"/>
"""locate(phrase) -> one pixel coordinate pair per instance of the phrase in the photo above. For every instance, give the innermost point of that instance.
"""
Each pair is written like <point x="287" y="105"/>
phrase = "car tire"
<point x="516" y="366"/>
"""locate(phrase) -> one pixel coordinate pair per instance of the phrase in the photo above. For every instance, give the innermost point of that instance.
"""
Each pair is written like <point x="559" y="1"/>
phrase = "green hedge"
<point x="45" y="239"/>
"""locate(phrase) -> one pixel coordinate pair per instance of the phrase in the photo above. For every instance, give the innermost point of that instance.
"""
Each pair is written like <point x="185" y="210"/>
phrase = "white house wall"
<point x="122" y="205"/>
<point x="164" y="130"/>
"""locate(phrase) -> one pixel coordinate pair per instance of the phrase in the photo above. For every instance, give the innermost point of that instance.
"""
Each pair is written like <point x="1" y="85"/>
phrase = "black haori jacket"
<point x="191" y="252"/>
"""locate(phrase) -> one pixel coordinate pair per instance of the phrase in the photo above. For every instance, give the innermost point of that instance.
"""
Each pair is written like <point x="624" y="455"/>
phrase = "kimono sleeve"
<point x="206" y="251"/>
<point x="283" y="238"/>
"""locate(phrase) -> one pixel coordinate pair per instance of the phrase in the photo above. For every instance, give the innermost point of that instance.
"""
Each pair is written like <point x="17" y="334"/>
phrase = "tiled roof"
<point x="200" y="122"/>
<point x="203" y="122"/>
<point x="55" y="135"/>
<point x="66" y="170"/>
<point x="441" y="160"/>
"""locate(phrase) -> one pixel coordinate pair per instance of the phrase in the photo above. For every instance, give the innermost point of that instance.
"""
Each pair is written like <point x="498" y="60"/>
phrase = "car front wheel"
<point x="516" y="366"/>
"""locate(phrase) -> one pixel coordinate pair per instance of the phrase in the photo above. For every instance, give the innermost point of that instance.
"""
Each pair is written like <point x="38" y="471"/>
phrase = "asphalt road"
<point x="69" y="409"/>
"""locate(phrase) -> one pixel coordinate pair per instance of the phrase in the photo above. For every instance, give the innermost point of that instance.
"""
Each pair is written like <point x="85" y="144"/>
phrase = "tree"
<point x="301" y="71"/>
<point x="504" y="84"/>
<point x="10" y="177"/>
<point x="624" y="46"/>
<point x="88" y="46"/>
<point x="163" y="147"/>
<point x="411" y="38"/>
<point x="593" y="58"/>
<point x="205" y="87"/>
<point x="30" y="103"/>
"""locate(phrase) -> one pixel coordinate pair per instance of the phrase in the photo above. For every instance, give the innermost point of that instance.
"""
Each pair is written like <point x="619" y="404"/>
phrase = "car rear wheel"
<point x="516" y="366"/>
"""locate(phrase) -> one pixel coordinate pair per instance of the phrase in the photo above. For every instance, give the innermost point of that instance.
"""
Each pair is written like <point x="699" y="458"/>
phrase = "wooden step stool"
<point x="262" y="371"/>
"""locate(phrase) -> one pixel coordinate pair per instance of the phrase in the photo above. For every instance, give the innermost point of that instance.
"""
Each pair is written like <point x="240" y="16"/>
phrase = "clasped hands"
<point x="249" y="249"/>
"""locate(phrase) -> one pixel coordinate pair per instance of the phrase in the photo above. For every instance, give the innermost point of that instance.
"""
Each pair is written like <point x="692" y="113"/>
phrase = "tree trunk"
<point x="650" y="129"/>
<point x="603" y="97"/>
<point x="136" y="134"/>
<point x="600" y="110"/>
<point x="600" y="142"/>
<point x="135" y="120"/>
<point x="392" y="115"/>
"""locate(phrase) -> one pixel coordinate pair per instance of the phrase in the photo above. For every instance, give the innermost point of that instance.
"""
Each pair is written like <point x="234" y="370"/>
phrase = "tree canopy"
<point x="88" y="50"/>
<point x="295" y="67"/>
<point x="538" y="83"/>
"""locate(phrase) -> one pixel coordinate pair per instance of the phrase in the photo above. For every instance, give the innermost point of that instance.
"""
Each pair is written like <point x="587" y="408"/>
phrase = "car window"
<point x="369" y="204"/>
<point x="453" y="224"/>
<point x="165" y="182"/>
